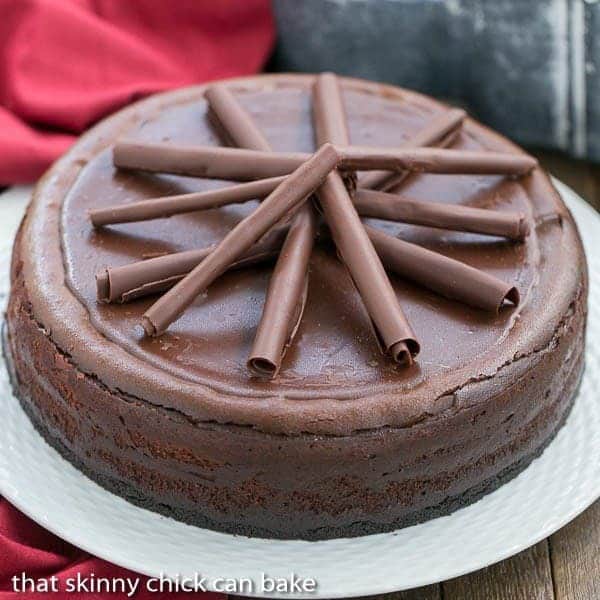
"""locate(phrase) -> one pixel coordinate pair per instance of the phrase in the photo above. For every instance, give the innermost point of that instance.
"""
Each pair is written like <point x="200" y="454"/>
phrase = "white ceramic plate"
<point x="553" y="490"/>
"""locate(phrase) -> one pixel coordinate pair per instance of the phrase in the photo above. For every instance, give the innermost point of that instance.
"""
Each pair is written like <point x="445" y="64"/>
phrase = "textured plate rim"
<point x="338" y="584"/>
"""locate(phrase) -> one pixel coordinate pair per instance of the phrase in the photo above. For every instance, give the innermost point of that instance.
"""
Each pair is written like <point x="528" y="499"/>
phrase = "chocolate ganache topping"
<point x="306" y="198"/>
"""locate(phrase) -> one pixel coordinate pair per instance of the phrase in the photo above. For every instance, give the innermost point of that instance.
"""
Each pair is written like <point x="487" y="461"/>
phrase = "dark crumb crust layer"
<point x="236" y="479"/>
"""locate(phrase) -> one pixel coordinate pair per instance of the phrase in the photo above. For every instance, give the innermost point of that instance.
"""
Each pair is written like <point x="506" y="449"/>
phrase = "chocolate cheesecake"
<point x="282" y="400"/>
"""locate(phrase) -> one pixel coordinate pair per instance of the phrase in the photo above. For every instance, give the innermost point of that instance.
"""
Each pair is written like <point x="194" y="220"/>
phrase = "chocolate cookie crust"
<point x="341" y="443"/>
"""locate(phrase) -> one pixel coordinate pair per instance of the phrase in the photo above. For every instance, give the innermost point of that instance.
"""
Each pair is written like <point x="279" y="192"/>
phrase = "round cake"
<point x="342" y="441"/>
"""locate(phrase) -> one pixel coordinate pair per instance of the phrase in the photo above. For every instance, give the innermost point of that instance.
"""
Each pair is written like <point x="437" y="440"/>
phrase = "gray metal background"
<point x="529" y="68"/>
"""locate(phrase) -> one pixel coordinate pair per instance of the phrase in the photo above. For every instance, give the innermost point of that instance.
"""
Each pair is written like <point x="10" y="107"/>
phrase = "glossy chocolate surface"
<point x="335" y="343"/>
<point x="335" y="355"/>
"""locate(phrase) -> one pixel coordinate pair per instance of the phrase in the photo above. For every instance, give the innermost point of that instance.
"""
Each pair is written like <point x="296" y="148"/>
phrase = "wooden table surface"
<point x="565" y="566"/>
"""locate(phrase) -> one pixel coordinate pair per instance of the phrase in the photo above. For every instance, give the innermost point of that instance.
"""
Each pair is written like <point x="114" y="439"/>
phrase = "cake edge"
<point x="361" y="528"/>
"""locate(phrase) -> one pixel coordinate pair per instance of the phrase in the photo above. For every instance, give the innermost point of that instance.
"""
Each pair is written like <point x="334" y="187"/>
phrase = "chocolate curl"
<point x="286" y="298"/>
<point x="350" y="237"/>
<point x="334" y="126"/>
<point x="446" y="142"/>
<point x="435" y="160"/>
<point x="441" y="131"/>
<point x="330" y="123"/>
<point x="287" y="292"/>
<point x="237" y="164"/>
<point x="288" y="195"/>
<point x="391" y="207"/>
<point x="395" y="181"/>
<point x="233" y="164"/>
<point x="146" y="277"/>
<point x="158" y="208"/>
<point x="445" y="276"/>
<point x="233" y="121"/>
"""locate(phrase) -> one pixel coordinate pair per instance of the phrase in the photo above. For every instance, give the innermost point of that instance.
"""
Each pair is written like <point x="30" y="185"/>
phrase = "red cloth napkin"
<point x="27" y="548"/>
<point x="64" y="64"/>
